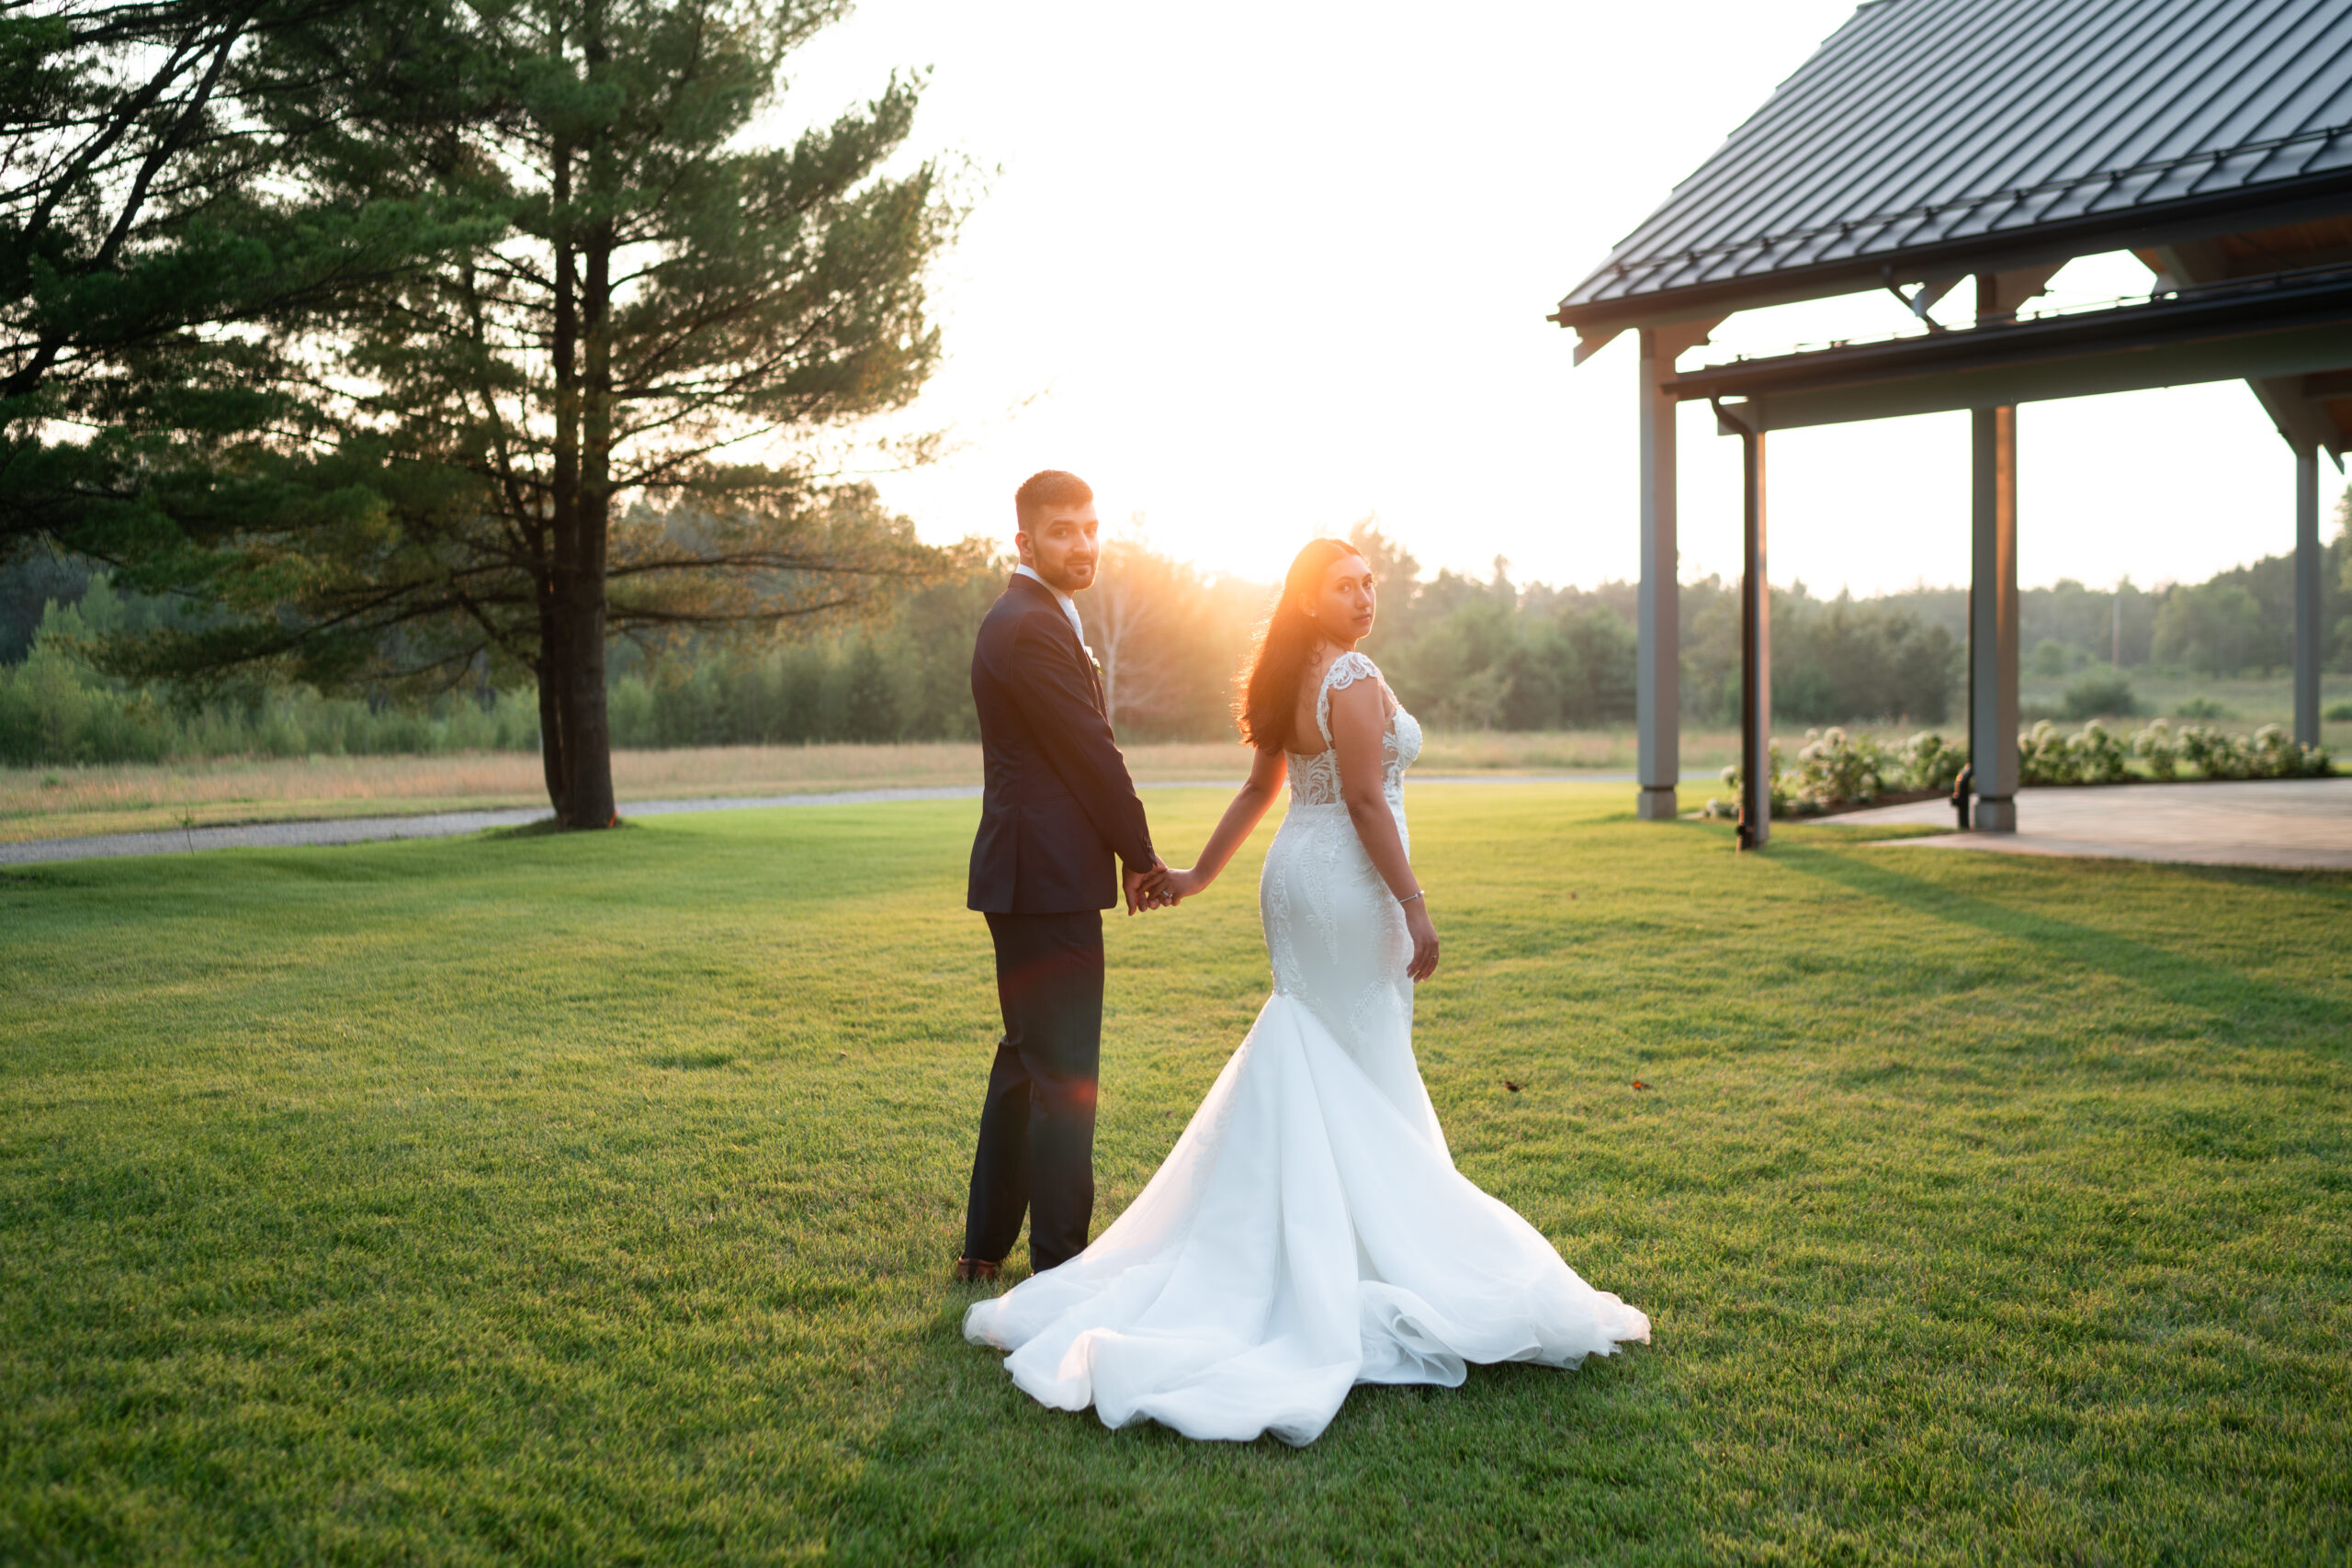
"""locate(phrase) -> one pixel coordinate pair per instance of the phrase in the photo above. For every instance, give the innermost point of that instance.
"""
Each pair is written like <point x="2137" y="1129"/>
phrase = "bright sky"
<point x="1256" y="270"/>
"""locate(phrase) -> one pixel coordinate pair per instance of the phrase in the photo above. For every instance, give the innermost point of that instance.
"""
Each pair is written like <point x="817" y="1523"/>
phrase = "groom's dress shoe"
<point x="972" y="1271"/>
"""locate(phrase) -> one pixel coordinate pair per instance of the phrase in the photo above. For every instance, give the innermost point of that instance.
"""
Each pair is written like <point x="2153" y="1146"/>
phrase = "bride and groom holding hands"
<point x="1308" y="1231"/>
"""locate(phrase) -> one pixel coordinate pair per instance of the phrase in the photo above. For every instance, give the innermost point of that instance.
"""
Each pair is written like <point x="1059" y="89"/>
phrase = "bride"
<point x="1310" y="1231"/>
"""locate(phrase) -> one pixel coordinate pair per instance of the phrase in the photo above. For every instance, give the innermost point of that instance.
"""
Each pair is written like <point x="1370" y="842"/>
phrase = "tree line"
<point x="431" y="356"/>
<point x="1465" y="653"/>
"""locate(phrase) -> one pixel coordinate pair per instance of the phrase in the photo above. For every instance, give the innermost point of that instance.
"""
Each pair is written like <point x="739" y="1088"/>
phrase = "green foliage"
<point x="1929" y="761"/>
<point x="2159" y="748"/>
<point x="1834" y="767"/>
<point x="2176" y="628"/>
<point x="2101" y="696"/>
<point x="2216" y="628"/>
<point x="2272" y="753"/>
<point x="1834" y="662"/>
<point x="1466" y="655"/>
<point x="1836" y="770"/>
<point x="163" y="256"/>
<point x="537" y="1201"/>
<point x="1169" y="638"/>
<point x="56" y="706"/>
<point x="2201" y="707"/>
<point x="2338" y="713"/>
<point x="2094" y="756"/>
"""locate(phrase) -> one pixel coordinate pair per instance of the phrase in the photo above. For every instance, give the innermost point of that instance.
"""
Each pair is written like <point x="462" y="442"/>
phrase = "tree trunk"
<point x="571" y="611"/>
<point x="553" y="754"/>
<point x="588" y="730"/>
<point x="586" y="797"/>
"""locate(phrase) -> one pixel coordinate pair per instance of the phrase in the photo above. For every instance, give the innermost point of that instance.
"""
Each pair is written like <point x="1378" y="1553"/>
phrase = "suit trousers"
<point x="1036" y="1147"/>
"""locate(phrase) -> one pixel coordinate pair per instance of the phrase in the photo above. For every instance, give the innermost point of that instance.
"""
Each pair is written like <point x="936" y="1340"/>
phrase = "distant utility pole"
<point x="2115" y="652"/>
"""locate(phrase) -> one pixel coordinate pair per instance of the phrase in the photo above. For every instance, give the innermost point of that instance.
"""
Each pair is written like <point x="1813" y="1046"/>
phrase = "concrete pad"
<point x="2293" y="824"/>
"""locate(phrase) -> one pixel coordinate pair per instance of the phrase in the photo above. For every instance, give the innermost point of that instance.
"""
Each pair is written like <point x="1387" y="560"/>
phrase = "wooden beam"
<point x="2292" y="351"/>
<point x="1658" y="684"/>
<point x="2309" y="588"/>
<point x="1755" y="654"/>
<point x="1993" y="619"/>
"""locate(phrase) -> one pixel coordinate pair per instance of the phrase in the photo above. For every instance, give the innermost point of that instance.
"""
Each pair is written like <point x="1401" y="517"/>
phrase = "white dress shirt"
<point x="1069" y="606"/>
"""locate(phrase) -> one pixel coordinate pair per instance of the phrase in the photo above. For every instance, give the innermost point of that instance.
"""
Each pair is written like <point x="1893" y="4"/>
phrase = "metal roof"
<point x="1925" y="130"/>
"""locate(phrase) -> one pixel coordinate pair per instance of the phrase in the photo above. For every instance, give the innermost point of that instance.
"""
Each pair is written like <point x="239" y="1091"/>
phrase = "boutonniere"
<point x="1091" y="660"/>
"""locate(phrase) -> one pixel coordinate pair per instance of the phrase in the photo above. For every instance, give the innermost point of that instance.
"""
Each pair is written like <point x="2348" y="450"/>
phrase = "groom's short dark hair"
<point x="1049" y="486"/>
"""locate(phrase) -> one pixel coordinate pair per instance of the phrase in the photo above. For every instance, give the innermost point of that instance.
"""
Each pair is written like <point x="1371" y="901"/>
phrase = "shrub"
<point x="2212" y="753"/>
<point x="2274" y="754"/>
<point x="1835" y="768"/>
<point x="2101" y="696"/>
<point x="2042" y="758"/>
<point x="2338" y="712"/>
<point x="2045" y="756"/>
<point x="2097" y="757"/>
<point x="2271" y="754"/>
<point x="1929" y="761"/>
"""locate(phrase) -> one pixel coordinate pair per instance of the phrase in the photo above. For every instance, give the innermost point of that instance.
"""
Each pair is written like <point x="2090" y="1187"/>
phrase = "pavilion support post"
<point x="1993" y="619"/>
<point x="2307" y="595"/>
<point x="1658" y="680"/>
<point x="1754" y="653"/>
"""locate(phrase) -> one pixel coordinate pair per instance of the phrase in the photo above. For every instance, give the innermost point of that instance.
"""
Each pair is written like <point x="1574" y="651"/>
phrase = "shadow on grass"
<point x="1520" y="1464"/>
<point x="550" y="828"/>
<point x="2334" y="888"/>
<point x="2226" y="994"/>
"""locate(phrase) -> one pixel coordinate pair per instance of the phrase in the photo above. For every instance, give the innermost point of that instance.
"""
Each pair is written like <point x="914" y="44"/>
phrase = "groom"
<point x="1058" y="822"/>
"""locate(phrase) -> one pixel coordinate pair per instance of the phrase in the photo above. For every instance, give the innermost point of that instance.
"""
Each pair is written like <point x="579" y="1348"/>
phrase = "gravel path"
<point x="450" y="824"/>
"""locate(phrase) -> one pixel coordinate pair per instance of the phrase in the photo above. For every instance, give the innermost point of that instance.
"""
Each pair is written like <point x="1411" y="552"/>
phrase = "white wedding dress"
<point x="1308" y="1232"/>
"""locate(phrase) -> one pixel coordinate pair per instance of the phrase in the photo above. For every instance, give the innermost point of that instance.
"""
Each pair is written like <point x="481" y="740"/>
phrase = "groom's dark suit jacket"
<point x="1059" y="813"/>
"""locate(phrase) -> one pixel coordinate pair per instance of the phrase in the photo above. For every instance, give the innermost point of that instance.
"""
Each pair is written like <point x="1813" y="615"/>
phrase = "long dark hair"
<point x="1268" y="705"/>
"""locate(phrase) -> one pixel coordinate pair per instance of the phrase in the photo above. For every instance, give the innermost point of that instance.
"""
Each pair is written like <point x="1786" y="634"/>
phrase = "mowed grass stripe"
<point x="588" y="1199"/>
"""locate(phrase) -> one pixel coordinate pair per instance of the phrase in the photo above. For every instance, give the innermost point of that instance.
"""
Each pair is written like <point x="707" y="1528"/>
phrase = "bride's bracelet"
<point x="1409" y="898"/>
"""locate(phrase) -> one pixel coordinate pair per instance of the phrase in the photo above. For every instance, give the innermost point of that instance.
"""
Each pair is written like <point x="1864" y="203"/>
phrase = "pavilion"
<point x="1930" y="142"/>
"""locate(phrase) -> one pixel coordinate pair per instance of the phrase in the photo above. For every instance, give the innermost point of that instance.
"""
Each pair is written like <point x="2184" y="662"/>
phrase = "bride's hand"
<point x="1180" y="885"/>
<point x="1424" y="935"/>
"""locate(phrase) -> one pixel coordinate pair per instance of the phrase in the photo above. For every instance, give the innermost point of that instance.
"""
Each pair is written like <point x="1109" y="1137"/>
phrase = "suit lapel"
<point x="1094" y="676"/>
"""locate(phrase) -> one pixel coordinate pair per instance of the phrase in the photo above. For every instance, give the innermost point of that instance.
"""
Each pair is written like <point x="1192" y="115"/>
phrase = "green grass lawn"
<point x="538" y="1199"/>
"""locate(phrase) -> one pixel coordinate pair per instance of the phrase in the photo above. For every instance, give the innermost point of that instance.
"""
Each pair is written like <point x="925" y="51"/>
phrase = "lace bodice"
<point x="1315" y="781"/>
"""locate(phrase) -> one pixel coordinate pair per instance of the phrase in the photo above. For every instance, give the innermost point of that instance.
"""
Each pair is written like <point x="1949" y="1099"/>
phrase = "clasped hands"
<point x="1159" y="887"/>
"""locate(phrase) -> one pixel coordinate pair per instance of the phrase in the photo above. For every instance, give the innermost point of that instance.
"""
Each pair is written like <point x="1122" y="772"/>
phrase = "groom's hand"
<point x="1144" y="890"/>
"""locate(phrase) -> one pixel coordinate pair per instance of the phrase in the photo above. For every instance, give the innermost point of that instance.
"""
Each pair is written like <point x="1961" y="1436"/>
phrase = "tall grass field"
<point x="588" y="1199"/>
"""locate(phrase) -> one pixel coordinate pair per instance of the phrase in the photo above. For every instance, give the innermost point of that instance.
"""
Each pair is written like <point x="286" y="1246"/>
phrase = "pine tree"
<point x="148" y="242"/>
<point x="593" y="414"/>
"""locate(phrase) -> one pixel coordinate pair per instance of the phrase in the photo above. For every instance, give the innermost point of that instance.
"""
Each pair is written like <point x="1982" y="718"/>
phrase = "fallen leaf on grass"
<point x="1639" y="1084"/>
<point x="1510" y="1085"/>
